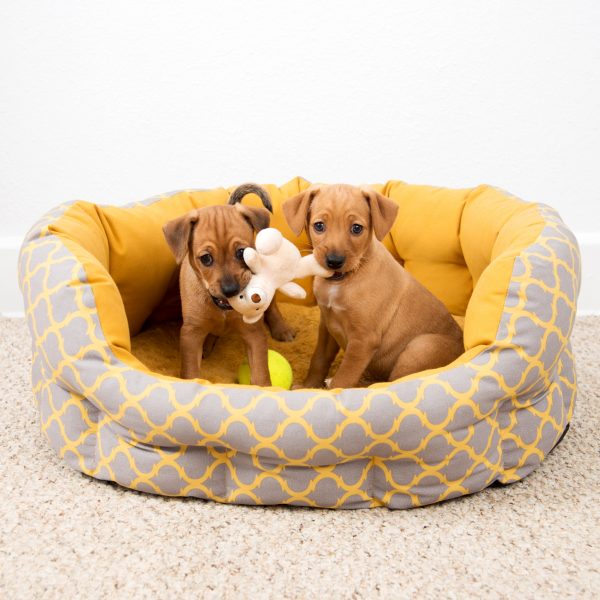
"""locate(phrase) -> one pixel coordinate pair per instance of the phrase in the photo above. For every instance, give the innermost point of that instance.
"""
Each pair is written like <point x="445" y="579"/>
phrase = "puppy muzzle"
<point x="221" y="303"/>
<point x="337" y="276"/>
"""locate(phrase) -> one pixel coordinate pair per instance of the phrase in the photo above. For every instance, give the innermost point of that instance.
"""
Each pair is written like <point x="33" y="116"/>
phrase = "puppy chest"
<point x="329" y="297"/>
<point x="335" y="326"/>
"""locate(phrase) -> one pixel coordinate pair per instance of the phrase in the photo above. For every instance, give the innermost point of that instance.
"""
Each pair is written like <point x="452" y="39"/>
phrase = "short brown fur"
<point x="388" y="323"/>
<point x="221" y="232"/>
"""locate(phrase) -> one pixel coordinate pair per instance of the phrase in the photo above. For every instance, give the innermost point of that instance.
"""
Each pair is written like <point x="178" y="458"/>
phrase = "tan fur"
<point x="388" y="324"/>
<point x="219" y="231"/>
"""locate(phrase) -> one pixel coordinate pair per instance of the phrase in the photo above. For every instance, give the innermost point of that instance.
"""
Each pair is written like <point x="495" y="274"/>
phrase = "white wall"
<point x="119" y="100"/>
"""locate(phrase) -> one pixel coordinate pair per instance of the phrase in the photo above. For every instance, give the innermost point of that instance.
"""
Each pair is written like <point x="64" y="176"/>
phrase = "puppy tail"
<point x="251" y="188"/>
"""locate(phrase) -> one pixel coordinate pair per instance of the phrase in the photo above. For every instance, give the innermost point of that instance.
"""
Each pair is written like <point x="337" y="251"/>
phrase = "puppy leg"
<point x="427" y="351"/>
<point x="359" y="353"/>
<point x="325" y="352"/>
<point x="255" y="338"/>
<point x="278" y="326"/>
<point x="209" y="344"/>
<point x="191" y="340"/>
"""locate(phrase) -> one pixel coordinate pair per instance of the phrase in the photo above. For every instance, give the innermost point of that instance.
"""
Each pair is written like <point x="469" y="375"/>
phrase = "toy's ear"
<point x="178" y="234"/>
<point x="258" y="218"/>
<point x="383" y="212"/>
<point x="297" y="208"/>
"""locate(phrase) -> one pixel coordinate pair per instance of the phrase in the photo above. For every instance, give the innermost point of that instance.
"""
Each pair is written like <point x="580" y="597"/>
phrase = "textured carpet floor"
<point x="63" y="535"/>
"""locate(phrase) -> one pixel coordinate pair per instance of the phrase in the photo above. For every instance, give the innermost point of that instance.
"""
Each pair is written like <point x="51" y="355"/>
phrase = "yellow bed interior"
<point x="460" y="244"/>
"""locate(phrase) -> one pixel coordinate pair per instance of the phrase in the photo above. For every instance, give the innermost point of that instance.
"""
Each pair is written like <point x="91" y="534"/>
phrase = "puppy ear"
<point x="258" y="218"/>
<point x="383" y="212"/>
<point x="296" y="209"/>
<point x="177" y="233"/>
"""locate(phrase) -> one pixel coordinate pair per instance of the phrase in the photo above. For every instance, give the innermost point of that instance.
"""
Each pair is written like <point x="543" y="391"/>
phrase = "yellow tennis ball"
<point x="279" y="369"/>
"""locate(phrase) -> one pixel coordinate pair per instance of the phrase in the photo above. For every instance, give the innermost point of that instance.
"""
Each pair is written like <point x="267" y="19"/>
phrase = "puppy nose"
<point x="335" y="261"/>
<point x="230" y="287"/>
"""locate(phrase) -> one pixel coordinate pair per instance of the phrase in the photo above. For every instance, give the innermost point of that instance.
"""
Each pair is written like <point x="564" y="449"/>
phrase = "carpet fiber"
<point x="64" y="535"/>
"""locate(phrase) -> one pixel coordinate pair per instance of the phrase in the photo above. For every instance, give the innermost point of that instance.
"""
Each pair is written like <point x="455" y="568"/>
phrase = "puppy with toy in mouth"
<point x="388" y="324"/>
<point x="208" y="244"/>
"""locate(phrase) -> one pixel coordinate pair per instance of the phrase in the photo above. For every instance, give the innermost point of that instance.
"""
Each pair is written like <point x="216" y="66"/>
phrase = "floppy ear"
<point x="296" y="208"/>
<point x="177" y="233"/>
<point x="258" y="218"/>
<point x="383" y="212"/>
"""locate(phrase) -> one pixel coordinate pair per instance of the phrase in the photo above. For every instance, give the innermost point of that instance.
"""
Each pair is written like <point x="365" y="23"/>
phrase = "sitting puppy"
<point x="388" y="324"/>
<point x="209" y="245"/>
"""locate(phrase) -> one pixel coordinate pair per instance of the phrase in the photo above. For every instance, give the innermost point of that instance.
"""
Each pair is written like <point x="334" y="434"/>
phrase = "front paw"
<point x="283" y="332"/>
<point x="189" y="373"/>
<point x="262" y="381"/>
<point x="310" y="384"/>
<point x="335" y="383"/>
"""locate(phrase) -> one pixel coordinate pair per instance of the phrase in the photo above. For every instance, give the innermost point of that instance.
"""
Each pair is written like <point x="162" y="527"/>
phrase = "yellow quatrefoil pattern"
<point x="91" y="275"/>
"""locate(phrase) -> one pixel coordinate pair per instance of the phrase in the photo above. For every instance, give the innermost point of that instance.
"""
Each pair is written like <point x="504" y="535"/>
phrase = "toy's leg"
<point x="320" y="363"/>
<point x="308" y="265"/>
<point x="278" y="326"/>
<point x="427" y="351"/>
<point x="252" y="259"/>
<point x="293" y="290"/>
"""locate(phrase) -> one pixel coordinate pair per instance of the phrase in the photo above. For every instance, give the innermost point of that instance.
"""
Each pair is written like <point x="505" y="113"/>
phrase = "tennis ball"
<point x="279" y="369"/>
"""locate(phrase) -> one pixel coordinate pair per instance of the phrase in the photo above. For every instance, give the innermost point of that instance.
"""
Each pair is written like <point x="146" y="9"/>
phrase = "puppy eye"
<point x="356" y="229"/>
<point x="239" y="253"/>
<point x="319" y="226"/>
<point x="206" y="260"/>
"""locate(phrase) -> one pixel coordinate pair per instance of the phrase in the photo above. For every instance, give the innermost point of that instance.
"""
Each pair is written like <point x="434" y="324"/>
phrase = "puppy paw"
<point x="309" y="384"/>
<point x="328" y="383"/>
<point x="283" y="333"/>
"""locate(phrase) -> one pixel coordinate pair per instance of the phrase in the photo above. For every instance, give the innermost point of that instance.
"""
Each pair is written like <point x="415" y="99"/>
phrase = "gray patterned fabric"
<point x="413" y="442"/>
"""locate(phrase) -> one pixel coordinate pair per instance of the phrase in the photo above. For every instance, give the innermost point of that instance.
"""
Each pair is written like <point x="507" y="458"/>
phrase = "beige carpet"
<point x="63" y="535"/>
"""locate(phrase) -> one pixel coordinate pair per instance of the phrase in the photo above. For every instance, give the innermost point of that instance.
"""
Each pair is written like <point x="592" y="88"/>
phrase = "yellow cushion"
<point x="445" y="238"/>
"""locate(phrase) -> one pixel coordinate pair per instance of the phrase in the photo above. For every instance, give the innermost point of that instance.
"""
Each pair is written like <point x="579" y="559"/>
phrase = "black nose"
<point x="230" y="287"/>
<point x="335" y="261"/>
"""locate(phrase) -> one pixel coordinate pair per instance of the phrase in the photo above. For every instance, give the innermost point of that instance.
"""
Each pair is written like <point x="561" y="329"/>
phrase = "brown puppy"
<point x="209" y="244"/>
<point x="388" y="324"/>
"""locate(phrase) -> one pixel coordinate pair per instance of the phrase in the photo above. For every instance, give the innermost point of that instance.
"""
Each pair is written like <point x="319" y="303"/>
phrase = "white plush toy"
<point x="274" y="263"/>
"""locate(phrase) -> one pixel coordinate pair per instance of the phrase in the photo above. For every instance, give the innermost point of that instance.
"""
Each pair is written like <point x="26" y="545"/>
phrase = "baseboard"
<point x="589" y="297"/>
<point x="11" y="301"/>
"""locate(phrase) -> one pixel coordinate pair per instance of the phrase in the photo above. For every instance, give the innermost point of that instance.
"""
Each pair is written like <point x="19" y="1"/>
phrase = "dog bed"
<point x="93" y="277"/>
